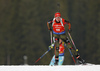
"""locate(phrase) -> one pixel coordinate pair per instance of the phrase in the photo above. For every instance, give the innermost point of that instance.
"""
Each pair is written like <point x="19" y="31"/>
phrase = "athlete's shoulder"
<point x="63" y="20"/>
<point x="50" y="21"/>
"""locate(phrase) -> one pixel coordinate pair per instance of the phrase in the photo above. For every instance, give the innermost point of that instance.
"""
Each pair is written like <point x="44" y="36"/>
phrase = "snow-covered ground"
<point x="88" y="67"/>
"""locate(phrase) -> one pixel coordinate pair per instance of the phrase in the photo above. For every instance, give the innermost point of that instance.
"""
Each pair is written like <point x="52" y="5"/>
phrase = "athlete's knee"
<point x="71" y="48"/>
<point x="57" y="48"/>
<point x="66" y="40"/>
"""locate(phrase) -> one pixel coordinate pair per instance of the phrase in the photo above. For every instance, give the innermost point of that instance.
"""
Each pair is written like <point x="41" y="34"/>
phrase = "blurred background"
<point x="24" y="35"/>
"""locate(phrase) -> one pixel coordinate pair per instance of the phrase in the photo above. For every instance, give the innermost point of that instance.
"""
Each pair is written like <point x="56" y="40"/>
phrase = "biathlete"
<point x="59" y="28"/>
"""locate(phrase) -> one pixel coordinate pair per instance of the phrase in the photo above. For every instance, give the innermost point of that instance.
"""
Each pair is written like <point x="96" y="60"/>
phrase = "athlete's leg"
<point x="61" y="60"/>
<point x="52" y="61"/>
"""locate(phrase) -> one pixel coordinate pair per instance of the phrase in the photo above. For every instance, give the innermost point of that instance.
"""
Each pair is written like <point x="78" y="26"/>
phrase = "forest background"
<point x="24" y="32"/>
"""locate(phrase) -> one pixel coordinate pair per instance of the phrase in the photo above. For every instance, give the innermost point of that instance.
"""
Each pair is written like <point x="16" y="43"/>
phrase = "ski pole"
<point x="72" y="56"/>
<point x="58" y="4"/>
<point x="45" y="53"/>
<point x="42" y="56"/>
<point x="51" y="36"/>
<point x="72" y="41"/>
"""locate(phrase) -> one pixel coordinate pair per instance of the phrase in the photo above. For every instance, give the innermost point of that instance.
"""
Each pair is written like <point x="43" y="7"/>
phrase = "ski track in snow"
<point x="88" y="67"/>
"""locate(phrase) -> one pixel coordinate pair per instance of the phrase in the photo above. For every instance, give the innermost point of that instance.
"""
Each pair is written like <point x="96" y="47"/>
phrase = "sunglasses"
<point x="58" y="17"/>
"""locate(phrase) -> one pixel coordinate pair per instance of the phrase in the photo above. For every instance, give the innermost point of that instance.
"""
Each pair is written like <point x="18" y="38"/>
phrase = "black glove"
<point x="50" y="29"/>
<point x="51" y="46"/>
<point x="69" y="30"/>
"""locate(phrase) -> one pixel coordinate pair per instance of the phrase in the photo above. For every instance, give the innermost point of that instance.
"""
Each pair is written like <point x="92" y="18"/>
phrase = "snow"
<point x="89" y="67"/>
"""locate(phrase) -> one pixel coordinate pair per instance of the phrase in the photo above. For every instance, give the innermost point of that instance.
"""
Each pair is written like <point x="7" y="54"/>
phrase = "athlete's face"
<point x="58" y="19"/>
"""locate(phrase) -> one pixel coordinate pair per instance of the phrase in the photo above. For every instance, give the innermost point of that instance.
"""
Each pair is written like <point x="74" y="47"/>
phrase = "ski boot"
<point x="56" y="61"/>
<point x="80" y="60"/>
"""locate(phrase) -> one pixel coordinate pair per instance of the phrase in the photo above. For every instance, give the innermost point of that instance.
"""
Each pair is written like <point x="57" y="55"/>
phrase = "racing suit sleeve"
<point x="49" y="25"/>
<point x="69" y="25"/>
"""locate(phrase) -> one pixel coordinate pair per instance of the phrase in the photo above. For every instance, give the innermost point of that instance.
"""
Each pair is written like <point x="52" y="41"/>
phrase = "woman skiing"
<point x="59" y="28"/>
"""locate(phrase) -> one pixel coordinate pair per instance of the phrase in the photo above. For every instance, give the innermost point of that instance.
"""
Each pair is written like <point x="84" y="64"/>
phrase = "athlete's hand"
<point x="70" y="30"/>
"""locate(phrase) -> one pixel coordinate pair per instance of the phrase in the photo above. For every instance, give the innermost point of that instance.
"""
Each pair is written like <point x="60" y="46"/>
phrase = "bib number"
<point x="57" y="29"/>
